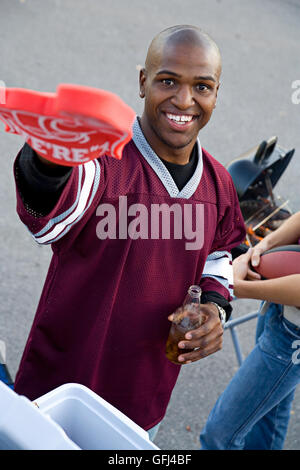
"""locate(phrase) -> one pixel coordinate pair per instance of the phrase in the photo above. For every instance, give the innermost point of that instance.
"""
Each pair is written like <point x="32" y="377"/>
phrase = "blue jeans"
<point x="254" y="410"/>
<point x="153" y="431"/>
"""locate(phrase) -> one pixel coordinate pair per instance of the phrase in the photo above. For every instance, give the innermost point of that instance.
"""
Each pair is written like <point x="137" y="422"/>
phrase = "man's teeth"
<point x="179" y="118"/>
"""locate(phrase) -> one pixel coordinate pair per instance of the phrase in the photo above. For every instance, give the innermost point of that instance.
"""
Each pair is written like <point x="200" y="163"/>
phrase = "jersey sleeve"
<point x="218" y="273"/>
<point x="73" y="204"/>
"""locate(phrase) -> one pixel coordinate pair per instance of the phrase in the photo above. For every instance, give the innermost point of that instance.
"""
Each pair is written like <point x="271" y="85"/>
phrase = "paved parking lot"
<point x="102" y="44"/>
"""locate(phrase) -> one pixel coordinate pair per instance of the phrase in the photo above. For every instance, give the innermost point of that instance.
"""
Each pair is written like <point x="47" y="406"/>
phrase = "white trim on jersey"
<point x="222" y="281"/>
<point x="57" y="227"/>
<point x="62" y="216"/>
<point x="218" y="266"/>
<point x="161" y="170"/>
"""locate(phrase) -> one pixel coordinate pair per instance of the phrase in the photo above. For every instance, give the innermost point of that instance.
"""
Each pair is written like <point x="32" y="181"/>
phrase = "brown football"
<point x="280" y="261"/>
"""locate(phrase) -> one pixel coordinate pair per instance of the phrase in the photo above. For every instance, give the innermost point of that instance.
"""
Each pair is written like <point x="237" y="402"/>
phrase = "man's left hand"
<point x="208" y="338"/>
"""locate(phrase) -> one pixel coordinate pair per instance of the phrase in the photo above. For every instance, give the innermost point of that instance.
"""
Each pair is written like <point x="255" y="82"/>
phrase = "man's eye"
<point x="202" y="87"/>
<point x="167" y="81"/>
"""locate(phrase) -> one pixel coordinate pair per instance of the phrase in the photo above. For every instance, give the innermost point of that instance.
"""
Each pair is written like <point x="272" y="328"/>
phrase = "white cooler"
<point x="69" y="417"/>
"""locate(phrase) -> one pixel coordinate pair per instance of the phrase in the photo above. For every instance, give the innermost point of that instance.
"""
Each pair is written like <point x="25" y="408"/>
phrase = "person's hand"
<point x="242" y="269"/>
<point x="208" y="338"/>
<point x="243" y="264"/>
<point x="256" y="253"/>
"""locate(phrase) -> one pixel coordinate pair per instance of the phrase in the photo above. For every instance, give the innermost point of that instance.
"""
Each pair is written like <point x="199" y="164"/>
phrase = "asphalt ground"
<point x="102" y="44"/>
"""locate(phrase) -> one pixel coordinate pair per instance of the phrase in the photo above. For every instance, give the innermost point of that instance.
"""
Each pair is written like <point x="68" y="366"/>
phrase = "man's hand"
<point x="208" y="338"/>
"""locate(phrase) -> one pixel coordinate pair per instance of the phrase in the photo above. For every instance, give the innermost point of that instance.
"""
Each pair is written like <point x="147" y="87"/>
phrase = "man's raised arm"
<point x="39" y="181"/>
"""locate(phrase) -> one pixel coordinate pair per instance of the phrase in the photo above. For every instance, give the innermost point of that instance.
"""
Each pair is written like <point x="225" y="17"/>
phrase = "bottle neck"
<point x="194" y="292"/>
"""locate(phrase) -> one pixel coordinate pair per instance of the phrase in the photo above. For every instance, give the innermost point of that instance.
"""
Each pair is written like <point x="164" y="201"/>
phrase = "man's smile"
<point x="180" y="121"/>
<point x="180" y="82"/>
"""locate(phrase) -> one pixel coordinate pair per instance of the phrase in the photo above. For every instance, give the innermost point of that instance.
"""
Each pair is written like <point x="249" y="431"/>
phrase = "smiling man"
<point x="180" y="82"/>
<point x="102" y="320"/>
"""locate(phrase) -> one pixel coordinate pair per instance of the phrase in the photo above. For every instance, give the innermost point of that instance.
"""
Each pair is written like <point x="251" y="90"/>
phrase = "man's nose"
<point x="183" y="99"/>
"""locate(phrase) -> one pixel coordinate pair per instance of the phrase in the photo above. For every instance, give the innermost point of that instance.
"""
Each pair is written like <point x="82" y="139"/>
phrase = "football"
<point x="278" y="262"/>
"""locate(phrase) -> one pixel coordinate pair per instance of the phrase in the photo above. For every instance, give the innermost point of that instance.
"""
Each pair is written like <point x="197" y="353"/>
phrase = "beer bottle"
<point x="185" y="318"/>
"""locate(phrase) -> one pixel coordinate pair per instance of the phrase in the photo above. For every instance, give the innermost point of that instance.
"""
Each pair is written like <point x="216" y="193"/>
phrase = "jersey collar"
<point x="160" y="169"/>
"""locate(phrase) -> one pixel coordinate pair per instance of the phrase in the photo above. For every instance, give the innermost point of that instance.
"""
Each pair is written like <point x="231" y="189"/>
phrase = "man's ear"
<point x="142" y="81"/>
<point x="217" y="93"/>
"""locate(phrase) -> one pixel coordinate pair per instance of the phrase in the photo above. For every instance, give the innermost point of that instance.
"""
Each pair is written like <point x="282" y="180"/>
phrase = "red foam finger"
<point x="72" y="126"/>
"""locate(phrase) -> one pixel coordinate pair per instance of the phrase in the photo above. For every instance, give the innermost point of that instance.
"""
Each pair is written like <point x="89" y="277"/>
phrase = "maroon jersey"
<point x="126" y="245"/>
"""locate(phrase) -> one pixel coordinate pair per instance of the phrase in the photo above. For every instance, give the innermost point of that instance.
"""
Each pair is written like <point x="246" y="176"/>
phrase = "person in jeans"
<point x="254" y="410"/>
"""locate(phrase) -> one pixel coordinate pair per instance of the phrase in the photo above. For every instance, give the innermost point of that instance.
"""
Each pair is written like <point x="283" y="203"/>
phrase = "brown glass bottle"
<point x="185" y="318"/>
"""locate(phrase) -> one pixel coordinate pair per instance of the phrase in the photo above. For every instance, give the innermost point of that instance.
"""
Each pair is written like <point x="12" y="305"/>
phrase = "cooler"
<point x="69" y="417"/>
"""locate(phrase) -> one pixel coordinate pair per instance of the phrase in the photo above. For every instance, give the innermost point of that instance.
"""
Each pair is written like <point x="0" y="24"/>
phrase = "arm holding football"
<point x="288" y="233"/>
<point x="283" y="290"/>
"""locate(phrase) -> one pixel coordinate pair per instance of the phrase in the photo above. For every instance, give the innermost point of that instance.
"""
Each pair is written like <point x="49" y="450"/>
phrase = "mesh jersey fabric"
<point x="102" y="316"/>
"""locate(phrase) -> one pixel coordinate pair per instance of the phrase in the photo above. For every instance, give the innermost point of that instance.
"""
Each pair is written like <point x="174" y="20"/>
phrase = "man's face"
<point x="180" y="91"/>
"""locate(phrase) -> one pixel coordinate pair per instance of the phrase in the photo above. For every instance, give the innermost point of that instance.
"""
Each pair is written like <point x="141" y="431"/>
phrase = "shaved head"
<point x="176" y="36"/>
<point x="179" y="83"/>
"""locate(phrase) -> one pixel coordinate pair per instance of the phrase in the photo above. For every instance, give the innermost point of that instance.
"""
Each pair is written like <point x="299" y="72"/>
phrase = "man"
<point x="102" y="319"/>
